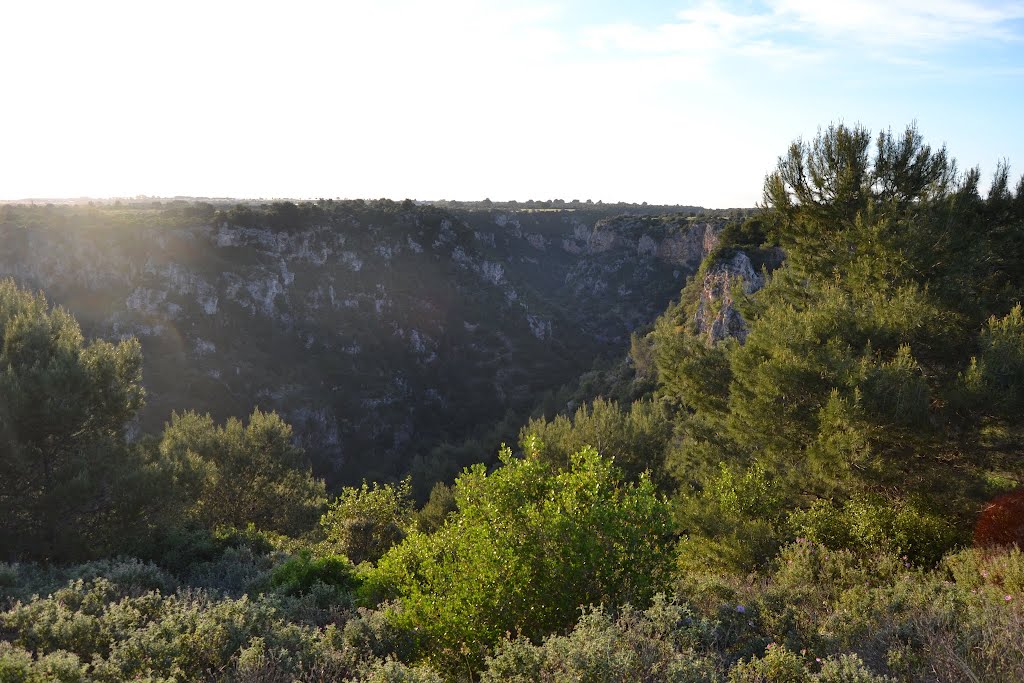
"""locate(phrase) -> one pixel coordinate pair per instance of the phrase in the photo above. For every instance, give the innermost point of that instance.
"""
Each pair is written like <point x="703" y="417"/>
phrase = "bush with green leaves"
<point x="435" y="511"/>
<point x="666" y="643"/>
<point x="529" y="545"/>
<point x="224" y="559"/>
<point x="243" y="474"/>
<point x="187" y="635"/>
<point x="780" y="665"/>
<point x="871" y="523"/>
<point x="736" y="521"/>
<point x="635" y="437"/>
<point x="22" y="582"/>
<point x="333" y="661"/>
<point x="298" y="574"/>
<point x="19" y="666"/>
<point x="951" y="623"/>
<point x="362" y="523"/>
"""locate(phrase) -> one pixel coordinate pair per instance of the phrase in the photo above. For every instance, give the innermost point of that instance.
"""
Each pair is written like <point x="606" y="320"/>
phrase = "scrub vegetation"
<point x="806" y="469"/>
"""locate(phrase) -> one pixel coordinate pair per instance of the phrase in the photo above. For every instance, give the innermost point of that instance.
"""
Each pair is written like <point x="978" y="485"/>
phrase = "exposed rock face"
<point x="379" y="330"/>
<point x="716" y="317"/>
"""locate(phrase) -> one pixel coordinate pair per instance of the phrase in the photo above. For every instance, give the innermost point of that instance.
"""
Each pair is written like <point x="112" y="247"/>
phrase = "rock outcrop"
<point x="716" y="317"/>
<point x="379" y="330"/>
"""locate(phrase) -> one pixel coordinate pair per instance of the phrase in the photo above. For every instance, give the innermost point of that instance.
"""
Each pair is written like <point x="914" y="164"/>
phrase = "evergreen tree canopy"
<point x="64" y="408"/>
<point x="242" y="474"/>
<point x="868" y="367"/>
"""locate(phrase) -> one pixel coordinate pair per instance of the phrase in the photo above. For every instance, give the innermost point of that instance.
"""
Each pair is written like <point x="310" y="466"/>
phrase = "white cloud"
<point x="804" y="30"/>
<point x="900" y="23"/>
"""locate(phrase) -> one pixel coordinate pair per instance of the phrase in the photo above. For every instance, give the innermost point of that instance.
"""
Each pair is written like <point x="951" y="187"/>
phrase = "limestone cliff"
<point x="716" y="317"/>
<point x="378" y="329"/>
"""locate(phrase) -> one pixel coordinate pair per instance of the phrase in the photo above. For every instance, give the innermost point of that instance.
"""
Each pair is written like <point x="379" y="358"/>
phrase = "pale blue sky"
<point x="665" y="102"/>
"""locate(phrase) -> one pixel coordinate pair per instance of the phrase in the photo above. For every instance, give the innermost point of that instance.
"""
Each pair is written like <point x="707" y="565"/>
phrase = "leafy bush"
<point x="435" y="511"/>
<point x="899" y="620"/>
<point x="660" y="644"/>
<point x="18" y="666"/>
<point x="780" y="665"/>
<point x="528" y="546"/>
<point x="635" y="438"/>
<point x="96" y="630"/>
<point x="298" y="574"/>
<point x="362" y="523"/>
<point x="873" y="524"/>
<point x="126" y="577"/>
<point x="186" y="635"/>
<point x="243" y="474"/>
<point x="227" y="559"/>
<point x="734" y="523"/>
<point x="847" y="669"/>
<point x="234" y="571"/>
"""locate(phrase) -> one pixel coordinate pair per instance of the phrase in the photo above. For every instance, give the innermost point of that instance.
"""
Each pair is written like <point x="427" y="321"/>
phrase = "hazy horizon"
<point x="672" y="103"/>
<point x="584" y="202"/>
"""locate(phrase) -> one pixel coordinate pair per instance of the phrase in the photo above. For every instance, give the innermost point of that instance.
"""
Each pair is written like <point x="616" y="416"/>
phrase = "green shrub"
<point x="183" y="636"/>
<point x="872" y="524"/>
<point x="242" y="474"/>
<point x="371" y="632"/>
<point x="778" y="665"/>
<point x="781" y="665"/>
<point x="363" y="523"/>
<point x="977" y="569"/>
<point x="234" y="571"/>
<point x="436" y="510"/>
<point x="847" y="669"/>
<point x="528" y="546"/>
<point x="634" y="436"/>
<point x="130" y="576"/>
<point x="830" y="601"/>
<point x="661" y="644"/>
<point x="300" y="573"/>
<point x="391" y="671"/>
<point x="16" y="665"/>
<point x="734" y="523"/>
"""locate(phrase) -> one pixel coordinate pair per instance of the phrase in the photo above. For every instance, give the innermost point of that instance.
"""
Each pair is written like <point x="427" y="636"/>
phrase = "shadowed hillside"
<point x="378" y="329"/>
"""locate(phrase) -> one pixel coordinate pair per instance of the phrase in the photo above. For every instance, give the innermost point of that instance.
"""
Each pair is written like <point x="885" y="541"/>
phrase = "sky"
<point x="641" y="100"/>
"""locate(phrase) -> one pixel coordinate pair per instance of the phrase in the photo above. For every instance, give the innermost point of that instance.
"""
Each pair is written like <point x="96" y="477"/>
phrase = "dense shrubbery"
<point x="667" y="642"/>
<point x="527" y="546"/>
<point x="635" y="438"/>
<point x="300" y="574"/>
<point x="242" y="474"/>
<point x="362" y="523"/>
<point x="805" y="497"/>
<point x="816" y="614"/>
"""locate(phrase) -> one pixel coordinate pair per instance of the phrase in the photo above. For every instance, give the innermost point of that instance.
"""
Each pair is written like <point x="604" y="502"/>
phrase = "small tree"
<point x="244" y="474"/>
<point x="635" y="438"/>
<point x="363" y="523"/>
<point x="64" y="405"/>
<point x="436" y="510"/>
<point x="528" y="546"/>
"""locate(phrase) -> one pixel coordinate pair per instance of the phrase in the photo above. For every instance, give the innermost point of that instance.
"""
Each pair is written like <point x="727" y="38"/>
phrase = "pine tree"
<point x="64" y="407"/>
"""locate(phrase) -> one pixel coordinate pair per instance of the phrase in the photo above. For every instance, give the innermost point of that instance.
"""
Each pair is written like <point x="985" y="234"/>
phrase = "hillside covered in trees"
<point x="806" y="468"/>
<point x="381" y="331"/>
